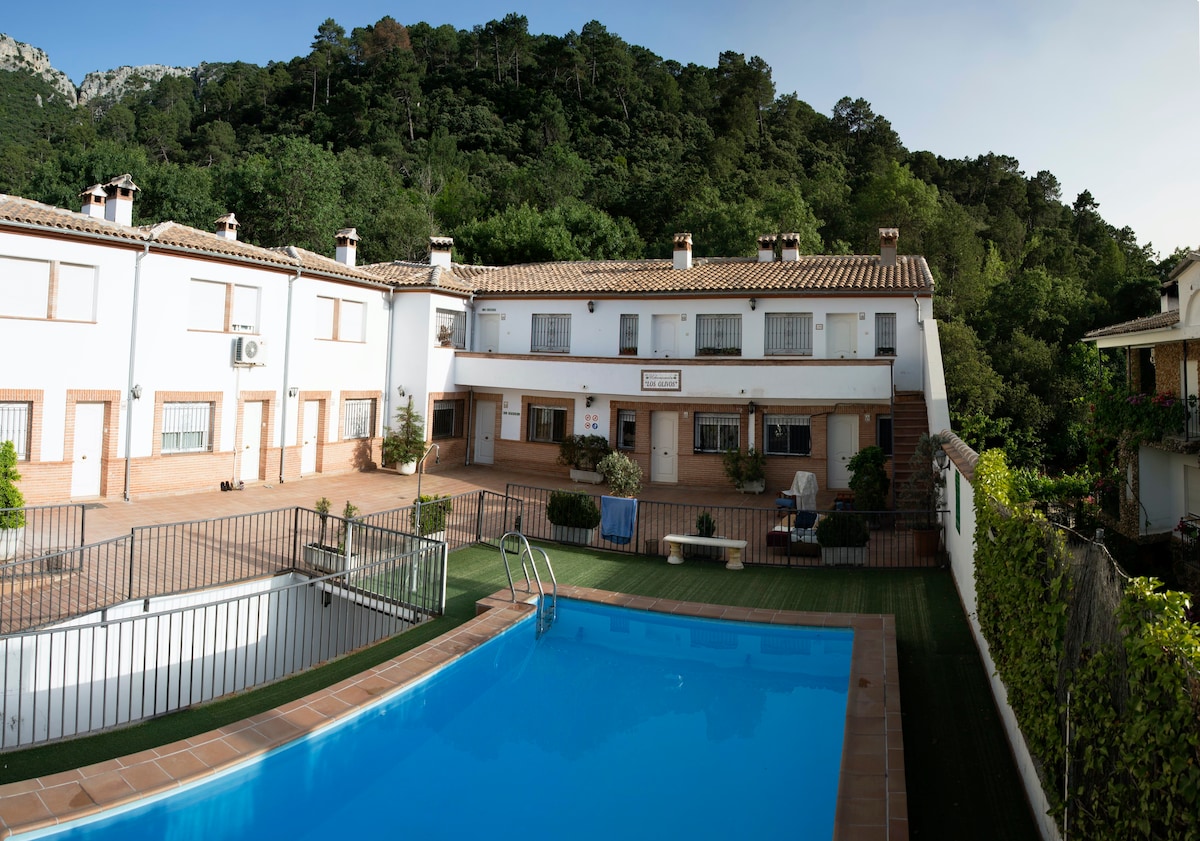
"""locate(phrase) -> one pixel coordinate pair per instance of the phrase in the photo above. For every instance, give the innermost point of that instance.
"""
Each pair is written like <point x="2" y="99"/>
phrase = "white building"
<point x="165" y="359"/>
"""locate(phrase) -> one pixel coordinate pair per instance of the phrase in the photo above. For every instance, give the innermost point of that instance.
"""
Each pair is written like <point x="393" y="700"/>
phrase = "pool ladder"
<point x="547" y="603"/>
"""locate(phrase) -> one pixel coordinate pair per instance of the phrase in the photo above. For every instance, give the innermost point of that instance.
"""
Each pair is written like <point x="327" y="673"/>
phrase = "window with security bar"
<point x="14" y="426"/>
<point x="885" y="334"/>
<point x="547" y="424"/>
<point x="359" y="419"/>
<point x="626" y="429"/>
<point x="187" y="427"/>
<point x="718" y="335"/>
<point x="451" y="326"/>
<point x="716" y="433"/>
<point x="629" y="335"/>
<point x="789" y="333"/>
<point x="787" y="435"/>
<point x="445" y="419"/>
<point x="551" y="333"/>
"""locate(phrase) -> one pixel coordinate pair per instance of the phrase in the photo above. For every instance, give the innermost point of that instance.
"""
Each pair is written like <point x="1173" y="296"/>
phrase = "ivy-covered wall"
<point x="1120" y="674"/>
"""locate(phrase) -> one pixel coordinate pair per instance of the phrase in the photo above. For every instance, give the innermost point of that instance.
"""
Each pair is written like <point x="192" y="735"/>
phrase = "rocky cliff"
<point x="97" y="85"/>
<point x="17" y="56"/>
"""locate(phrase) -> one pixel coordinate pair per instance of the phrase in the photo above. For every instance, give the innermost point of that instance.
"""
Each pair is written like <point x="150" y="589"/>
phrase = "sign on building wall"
<point x="662" y="380"/>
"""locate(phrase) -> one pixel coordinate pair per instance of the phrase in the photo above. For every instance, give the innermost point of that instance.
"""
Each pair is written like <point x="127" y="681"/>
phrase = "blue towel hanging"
<point x="617" y="518"/>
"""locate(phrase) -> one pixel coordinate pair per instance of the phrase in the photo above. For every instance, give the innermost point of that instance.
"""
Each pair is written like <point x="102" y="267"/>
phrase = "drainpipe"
<point x="387" y="371"/>
<point x="287" y="359"/>
<point x="137" y="285"/>
<point x="470" y="423"/>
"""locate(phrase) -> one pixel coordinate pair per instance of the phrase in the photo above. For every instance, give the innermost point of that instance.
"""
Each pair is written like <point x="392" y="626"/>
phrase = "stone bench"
<point x="676" y="542"/>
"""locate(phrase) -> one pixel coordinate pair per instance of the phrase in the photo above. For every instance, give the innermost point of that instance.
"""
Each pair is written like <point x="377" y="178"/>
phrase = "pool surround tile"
<point x="872" y="802"/>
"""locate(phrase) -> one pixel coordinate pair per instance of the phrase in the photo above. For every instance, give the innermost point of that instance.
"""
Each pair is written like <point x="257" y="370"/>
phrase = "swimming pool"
<point x="701" y="737"/>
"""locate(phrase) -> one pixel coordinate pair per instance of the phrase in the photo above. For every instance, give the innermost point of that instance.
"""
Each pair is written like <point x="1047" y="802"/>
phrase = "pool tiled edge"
<point x="871" y="790"/>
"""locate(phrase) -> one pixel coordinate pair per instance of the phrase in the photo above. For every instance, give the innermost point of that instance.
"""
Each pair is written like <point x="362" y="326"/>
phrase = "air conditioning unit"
<point x="248" y="351"/>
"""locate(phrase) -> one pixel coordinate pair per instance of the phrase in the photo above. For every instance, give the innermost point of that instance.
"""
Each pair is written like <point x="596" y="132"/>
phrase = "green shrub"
<point x="623" y="474"/>
<point x="583" y="452"/>
<point x="742" y="468"/>
<point x="435" y="510"/>
<point x="10" y="494"/>
<point x="869" y="481"/>
<point x="843" y="528"/>
<point x="573" y="510"/>
<point x="706" y="526"/>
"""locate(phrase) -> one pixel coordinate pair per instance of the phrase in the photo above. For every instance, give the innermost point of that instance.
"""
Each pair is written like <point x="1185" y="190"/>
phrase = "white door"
<point x="485" y="428"/>
<point x="489" y="333"/>
<point x="842" y="335"/>
<point x="251" y="440"/>
<point x="308" y="449"/>
<point x="665" y="330"/>
<point x="664" y="446"/>
<point x="843" y="444"/>
<point x="89" y="446"/>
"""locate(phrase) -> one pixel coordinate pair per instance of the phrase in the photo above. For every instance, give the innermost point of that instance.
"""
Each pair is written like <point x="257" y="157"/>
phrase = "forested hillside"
<point x="528" y="147"/>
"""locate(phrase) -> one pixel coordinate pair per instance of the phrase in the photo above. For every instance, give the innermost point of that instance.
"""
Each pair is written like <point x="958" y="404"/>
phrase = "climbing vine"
<point x="1132" y="764"/>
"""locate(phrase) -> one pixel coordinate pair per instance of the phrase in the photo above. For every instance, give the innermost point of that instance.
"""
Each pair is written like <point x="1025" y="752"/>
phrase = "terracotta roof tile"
<point x="1137" y="325"/>
<point x="459" y="278"/>
<point x="313" y="262"/>
<point x="808" y="274"/>
<point x="24" y="211"/>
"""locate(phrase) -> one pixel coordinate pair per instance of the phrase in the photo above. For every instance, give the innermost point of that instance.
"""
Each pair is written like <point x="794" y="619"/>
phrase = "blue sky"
<point x="1103" y="93"/>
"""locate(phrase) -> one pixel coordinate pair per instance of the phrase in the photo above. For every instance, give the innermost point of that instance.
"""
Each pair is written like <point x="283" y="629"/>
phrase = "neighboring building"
<point x="807" y="358"/>
<point x="1162" y="480"/>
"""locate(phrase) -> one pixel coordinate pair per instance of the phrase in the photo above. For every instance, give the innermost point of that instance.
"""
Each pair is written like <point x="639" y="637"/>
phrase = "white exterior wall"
<point x="1162" y="489"/>
<point x="55" y="356"/>
<point x="596" y="334"/>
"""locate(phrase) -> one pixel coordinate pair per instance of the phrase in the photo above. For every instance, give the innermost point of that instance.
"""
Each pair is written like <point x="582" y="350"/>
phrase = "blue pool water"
<point x="615" y="724"/>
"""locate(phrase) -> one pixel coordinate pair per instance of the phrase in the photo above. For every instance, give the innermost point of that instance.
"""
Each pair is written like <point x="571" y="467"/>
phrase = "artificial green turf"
<point x="961" y="779"/>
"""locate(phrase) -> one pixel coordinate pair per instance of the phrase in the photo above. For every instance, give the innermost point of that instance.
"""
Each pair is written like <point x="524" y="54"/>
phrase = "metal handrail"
<point x="547" y="609"/>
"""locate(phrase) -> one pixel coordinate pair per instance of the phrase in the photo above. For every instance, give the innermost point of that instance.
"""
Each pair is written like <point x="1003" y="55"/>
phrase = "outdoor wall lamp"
<point x="400" y="389"/>
<point x="942" y="459"/>
<point x="751" y="408"/>
<point x="293" y="392"/>
<point x="136" y="392"/>
<point x="588" y="401"/>
<point x="753" y="303"/>
<point x="591" y="306"/>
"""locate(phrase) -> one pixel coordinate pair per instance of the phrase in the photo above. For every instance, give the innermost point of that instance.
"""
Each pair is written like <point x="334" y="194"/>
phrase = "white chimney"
<point x="888" y="237"/>
<point x="440" y="249"/>
<point x="93" y="202"/>
<point x="766" y="248"/>
<point x="683" y="251"/>
<point x="790" y="250"/>
<point x="118" y="205"/>
<point x="347" y="246"/>
<point x="227" y="226"/>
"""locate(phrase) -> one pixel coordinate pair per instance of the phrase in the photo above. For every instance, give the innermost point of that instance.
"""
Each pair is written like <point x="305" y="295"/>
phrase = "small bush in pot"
<point x="573" y="510"/>
<point x="583" y="452"/>
<point x="10" y="494"/>
<point x="405" y="442"/>
<point x="869" y="481"/>
<point x="623" y="474"/>
<point x="706" y="526"/>
<point x="745" y="469"/>
<point x="842" y="529"/>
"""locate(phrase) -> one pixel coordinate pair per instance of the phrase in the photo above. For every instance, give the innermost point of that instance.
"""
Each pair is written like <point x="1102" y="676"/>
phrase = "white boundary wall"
<point x="143" y="659"/>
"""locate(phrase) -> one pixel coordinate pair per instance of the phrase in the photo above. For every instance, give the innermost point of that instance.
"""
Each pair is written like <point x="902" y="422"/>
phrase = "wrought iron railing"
<point x="773" y="536"/>
<point x="48" y="529"/>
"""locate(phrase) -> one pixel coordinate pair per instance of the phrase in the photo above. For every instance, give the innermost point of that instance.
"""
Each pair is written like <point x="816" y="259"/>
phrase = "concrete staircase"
<point x="910" y="419"/>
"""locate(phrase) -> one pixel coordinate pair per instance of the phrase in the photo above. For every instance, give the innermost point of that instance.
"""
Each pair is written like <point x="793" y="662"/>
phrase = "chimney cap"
<point x="227" y="219"/>
<point x="889" y="234"/>
<point x="121" y="182"/>
<point x="683" y="240"/>
<point x="94" y="190"/>
<point x="790" y="240"/>
<point x="767" y="240"/>
<point x="350" y="234"/>
<point x="441" y="243"/>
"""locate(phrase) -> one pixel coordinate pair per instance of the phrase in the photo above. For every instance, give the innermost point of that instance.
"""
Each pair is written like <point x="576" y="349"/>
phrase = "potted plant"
<point x="434" y="511"/>
<point x="869" y="480"/>
<point x="12" y="503"/>
<point x="405" y="443"/>
<point x="573" y="517"/>
<point x="923" y="494"/>
<point x="445" y="335"/>
<point x="332" y="558"/>
<point x="706" y="526"/>
<point x="843" y="537"/>
<point x="583" y="454"/>
<point x="623" y="474"/>
<point x="746" y="470"/>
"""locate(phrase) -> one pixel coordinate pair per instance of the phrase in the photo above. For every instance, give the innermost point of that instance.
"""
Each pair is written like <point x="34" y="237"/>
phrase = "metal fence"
<point x="471" y="517"/>
<point x="154" y="561"/>
<point x="141" y="659"/>
<point x="771" y="536"/>
<point x="48" y="529"/>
